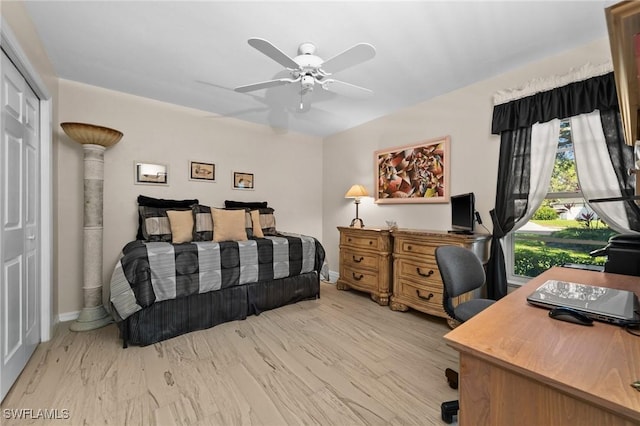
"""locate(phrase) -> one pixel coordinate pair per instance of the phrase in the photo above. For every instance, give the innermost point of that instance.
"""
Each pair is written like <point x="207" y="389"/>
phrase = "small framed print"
<point x="243" y="180"/>
<point x="203" y="172"/>
<point x="150" y="173"/>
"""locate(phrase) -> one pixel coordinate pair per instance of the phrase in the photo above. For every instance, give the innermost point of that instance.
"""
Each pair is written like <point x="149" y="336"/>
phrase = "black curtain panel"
<point x="512" y="194"/>
<point x="513" y="121"/>
<point x="622" y="159"/>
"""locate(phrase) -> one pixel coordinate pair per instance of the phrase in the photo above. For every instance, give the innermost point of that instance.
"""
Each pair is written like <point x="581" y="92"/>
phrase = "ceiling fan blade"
<point x="273" y="52"/>
<point x="352" y="56"/>
<point x="346" y="89"/>
<point x="263" y="85"/>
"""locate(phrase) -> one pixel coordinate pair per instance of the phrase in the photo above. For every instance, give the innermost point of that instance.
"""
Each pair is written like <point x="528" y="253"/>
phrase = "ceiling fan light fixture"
<point x="309" y="69"/>
<point x="307" y="83"/>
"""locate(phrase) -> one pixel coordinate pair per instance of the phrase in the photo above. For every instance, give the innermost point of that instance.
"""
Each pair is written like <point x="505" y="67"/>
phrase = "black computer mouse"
<point x="570" y="315"/>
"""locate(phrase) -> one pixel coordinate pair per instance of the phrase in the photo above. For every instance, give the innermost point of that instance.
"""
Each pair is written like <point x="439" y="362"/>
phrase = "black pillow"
<point x="144" y="201"/>
<point x="241" y="204"/>
<point x="159" y="202"/>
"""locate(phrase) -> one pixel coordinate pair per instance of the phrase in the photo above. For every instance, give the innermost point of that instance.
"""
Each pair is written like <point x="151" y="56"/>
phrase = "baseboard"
<point x="333" y="276"/>
<point x="67" y="316"/>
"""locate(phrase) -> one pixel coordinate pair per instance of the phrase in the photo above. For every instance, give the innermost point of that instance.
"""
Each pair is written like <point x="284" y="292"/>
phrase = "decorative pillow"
<point x="248" y="222"/>
<point x="255" y="222"/>
<point x="154" y="224"/>
<point x="181" y="222"/>
<point x="268" y="221"/>
<point x="245" y="205"/>
<point x="229" y="225"/>
<point x="144" y="201"/>
<point x="203" y="223"/>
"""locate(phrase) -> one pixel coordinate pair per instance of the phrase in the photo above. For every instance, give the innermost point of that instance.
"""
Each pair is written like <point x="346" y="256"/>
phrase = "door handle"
<point x="31" y="237"/>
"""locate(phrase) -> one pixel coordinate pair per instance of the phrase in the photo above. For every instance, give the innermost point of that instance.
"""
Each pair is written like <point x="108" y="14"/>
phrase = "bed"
<point x="162" y="287"/>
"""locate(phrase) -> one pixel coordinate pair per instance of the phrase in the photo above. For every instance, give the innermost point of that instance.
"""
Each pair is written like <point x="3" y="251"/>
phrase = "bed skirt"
<point x="171" y="318"/>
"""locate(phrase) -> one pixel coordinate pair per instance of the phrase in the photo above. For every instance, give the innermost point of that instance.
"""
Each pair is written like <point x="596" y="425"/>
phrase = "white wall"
<point x="287" y="168"/>
<point x="465" y="115"/>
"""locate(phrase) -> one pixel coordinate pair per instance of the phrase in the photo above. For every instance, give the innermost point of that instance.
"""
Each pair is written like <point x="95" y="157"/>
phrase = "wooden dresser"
<point x="416" y="279"/>
<point x="365" y="261"/>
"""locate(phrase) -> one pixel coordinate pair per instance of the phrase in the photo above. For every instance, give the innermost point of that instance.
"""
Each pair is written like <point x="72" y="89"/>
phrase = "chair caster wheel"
<point x="448" y="410"/>
<point x="452" y="378"/>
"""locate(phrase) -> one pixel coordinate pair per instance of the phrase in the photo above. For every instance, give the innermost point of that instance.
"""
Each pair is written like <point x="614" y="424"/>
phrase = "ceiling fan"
<point x="310" y="70"/>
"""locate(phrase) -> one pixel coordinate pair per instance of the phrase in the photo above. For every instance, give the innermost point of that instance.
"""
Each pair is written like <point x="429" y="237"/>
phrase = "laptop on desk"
<point x="610" y="305"/>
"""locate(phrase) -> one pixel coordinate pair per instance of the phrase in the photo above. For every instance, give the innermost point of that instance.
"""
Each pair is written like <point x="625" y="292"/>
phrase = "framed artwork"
<point x="243" y="180"/>
<point x="203" y="172"/>
<point x="417" y="173"/>
<point x="150" y="173"/>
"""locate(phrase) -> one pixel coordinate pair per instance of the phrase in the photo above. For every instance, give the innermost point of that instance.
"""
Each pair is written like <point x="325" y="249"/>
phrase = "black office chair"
<point x="461" y="272"/>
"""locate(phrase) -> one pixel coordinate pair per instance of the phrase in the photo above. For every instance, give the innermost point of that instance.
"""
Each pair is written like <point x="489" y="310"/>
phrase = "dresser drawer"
<point x="359" y="259"/>
<point x="360" y="278"/>
<point x="370" y="241"/>
<point x="424" y="272"/>
<point x="424" y="298"/>
<point x="412" y="247"/>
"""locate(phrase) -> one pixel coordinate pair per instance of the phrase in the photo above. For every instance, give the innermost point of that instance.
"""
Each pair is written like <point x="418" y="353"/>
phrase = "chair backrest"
<point x="460" y="269"/>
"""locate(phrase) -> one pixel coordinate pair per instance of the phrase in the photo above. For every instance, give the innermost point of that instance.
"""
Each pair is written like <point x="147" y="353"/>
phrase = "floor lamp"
<point x="356" y="192"/>
<point x="94" y="140"/>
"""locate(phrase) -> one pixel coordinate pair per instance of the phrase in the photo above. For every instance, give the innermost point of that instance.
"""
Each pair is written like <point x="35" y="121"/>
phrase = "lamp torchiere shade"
<point x="84" y="133"/>
<point x="357" y="191"/>
<point x="94" y="140"/>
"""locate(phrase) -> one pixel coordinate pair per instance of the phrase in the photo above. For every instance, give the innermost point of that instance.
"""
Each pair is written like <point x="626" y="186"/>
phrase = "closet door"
<point x="19" y="224"/>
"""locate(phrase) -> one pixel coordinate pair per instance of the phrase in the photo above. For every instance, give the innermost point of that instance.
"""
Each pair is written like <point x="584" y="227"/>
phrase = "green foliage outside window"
<point x="534" y="256"/>
<point x="545" y="213"/>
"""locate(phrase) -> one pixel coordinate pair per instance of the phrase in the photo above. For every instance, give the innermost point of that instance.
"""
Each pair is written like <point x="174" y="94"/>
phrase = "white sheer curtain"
<point x="595" y="171"/>
<point x="544" y="145"/>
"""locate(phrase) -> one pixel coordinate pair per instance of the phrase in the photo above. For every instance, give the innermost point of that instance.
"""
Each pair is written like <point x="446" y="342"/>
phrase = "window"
<point x="564" y="229"/>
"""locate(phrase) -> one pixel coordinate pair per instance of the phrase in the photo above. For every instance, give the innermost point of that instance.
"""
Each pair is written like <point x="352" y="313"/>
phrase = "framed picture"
<point x="204" y="172"/>
<point x="417" y="173"/>
<point x="149" y="173"/>
<point x="243" y="180"/>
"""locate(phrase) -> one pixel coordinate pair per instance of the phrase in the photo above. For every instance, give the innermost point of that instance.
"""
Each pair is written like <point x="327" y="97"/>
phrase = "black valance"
<point x="573" y="99"/>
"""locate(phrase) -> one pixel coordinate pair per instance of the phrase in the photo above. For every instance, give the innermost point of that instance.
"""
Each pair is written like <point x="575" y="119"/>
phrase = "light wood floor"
<point x="339" y="360"/>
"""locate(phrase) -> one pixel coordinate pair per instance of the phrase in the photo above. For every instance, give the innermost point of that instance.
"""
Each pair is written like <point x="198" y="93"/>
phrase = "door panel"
<point x="12" y="342"/>
<point x="31" y="181"/>
<point x="19" y="224"/>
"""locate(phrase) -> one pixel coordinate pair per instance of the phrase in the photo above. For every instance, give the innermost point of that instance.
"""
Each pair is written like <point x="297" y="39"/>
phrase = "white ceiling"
<point x="194" y="53"/>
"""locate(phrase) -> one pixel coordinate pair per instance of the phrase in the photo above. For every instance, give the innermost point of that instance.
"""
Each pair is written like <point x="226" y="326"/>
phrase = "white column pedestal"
<point x="93" y="314"/>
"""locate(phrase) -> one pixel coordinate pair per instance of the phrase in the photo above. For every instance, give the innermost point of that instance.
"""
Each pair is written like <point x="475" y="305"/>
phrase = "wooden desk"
<point x="518" y="366"/>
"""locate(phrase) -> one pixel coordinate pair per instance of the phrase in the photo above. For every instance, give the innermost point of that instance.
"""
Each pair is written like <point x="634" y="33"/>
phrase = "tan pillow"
<point x="255" y="219"/>
<point x="228" y="225"/>
<point x="181" y="222"/>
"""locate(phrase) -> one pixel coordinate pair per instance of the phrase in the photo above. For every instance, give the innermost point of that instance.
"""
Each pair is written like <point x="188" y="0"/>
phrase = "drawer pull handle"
<point x="408" y="247"/>
<point x="427" y="275"/>
<point x="370" y="242"/>
<point x="349" y="239"/>
<point x="356" y="277"/>
<point x="358" y="260"/>
<point x="423" y="297"/>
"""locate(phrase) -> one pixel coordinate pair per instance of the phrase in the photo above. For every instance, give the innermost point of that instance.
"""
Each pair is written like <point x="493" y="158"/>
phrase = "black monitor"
<point x="463" y="213"/>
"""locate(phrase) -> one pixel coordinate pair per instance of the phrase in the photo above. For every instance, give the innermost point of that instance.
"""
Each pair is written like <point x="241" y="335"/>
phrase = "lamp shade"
<point x="91" y="134"/>
<point x="356" y="191"/>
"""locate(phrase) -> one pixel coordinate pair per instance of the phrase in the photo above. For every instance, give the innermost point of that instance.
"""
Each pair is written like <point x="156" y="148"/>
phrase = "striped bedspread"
<point x="150" y="272"/>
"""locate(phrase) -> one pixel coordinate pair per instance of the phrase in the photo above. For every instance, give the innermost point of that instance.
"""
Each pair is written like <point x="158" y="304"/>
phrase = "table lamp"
<point x="356" y="191"/>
